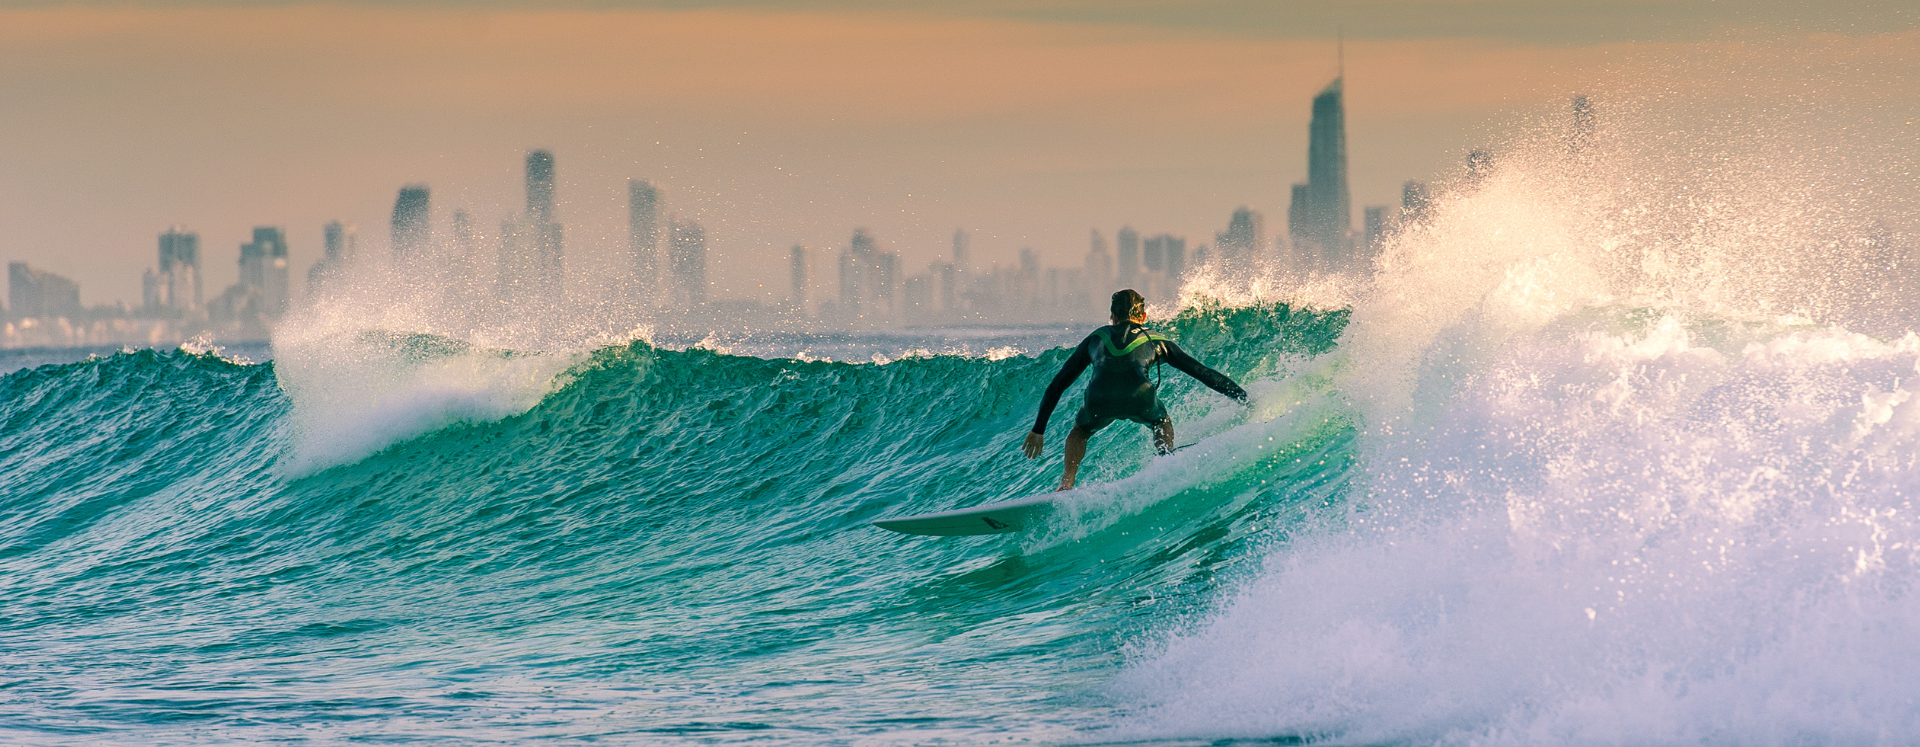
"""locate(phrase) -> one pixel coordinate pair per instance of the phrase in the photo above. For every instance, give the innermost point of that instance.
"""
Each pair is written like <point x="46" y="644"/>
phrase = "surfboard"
<point x="993" y="518"/>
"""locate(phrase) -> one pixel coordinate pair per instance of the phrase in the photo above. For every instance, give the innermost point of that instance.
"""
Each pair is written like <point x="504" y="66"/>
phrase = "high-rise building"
<point x="962" y="246"/>
<point x="886" y="277"/>
<point x="38" y="294"/>
<point x="1126" y="257"/>
<point x="549" y="242"/>
<point x="1175" y="259"/>
<point x="1166" y="259"/>
<point x="1297" y="226"/>
<point x="1329" y="211"/>
<point x="263" y="267"/>
<point x="466" y="242"/>
<point x="687" y="261"/>
<point x="1375" y="227"/>
<point x="177" y="284"/>
<point x="412" y="227"/>
<point x="520" y="275"/>
<point x="1245" y="237"/>
<point x="340" y="242"/>
<point x="1029" y="279"/>
<point x="540" y="186"/>
<point x="643" y="233"/>
<point x="950" y="298"/>
<point x="1098" y="268"/>
<point x="797" y="274"/>
<point x="858" y="266"/>
<point x="342" y="239"/>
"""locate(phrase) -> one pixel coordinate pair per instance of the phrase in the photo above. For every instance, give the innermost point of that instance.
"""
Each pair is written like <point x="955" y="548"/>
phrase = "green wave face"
<point x="666" y="546"/>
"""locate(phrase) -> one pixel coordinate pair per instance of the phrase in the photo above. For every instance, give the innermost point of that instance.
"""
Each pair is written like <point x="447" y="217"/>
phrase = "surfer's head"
<point x="1128" y="306"/>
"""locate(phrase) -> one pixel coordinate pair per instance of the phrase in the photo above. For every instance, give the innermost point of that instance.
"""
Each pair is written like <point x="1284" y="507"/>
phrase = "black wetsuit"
<point x="1122" y="357"/>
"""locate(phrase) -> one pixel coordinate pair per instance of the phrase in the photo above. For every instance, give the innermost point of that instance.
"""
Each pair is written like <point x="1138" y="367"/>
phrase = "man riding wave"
<point x="1121" y="355"/>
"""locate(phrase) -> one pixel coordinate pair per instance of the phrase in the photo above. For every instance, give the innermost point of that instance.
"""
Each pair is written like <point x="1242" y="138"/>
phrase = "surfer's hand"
<point x="1034" y="442"/>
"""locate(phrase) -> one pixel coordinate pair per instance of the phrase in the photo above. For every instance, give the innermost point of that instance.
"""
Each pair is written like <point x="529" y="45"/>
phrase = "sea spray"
<point x="1633" y="462"/>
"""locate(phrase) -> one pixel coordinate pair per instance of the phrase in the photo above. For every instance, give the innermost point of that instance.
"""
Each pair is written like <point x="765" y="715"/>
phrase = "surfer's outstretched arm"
<point x="1213" y="379"/>
<point x="1075" y="365"/>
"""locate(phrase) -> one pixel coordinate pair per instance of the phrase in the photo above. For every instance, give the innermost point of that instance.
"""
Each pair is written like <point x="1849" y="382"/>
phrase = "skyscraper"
<point x="411" y="227"/>
<point x="540" y="186"/>
<point x="340" y="240"/>
<point x="1375" y="227"/>
<point x="643" y="233"/>
<point x="858" y="266"/>
<point x="797" y="273"/>
<point x="263" y="267"/>
<point x="1245" y="237"/>
<point x="687" y="261"/>
<point x="178" y="282"/>
<point x="962" y="246"/>
<point x="1098" y="267"/>
<point x="520" y="273"/>
<point x="1175" y="259"/>
<point x="1126" y="258"/>
<point x="1297" y="223"/>
<point x="886" y="277"/>
<point x="1329" y="213"/>
<point x="1028" y="283"/>
<point x="1166" y="259"/>
<point x="465" y="241"/>
<point x="549" y="244"/>
<point x="38" y="294"/>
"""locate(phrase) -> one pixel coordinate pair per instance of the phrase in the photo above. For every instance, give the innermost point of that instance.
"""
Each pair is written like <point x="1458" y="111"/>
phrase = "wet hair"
<point x="1128" y="304"/>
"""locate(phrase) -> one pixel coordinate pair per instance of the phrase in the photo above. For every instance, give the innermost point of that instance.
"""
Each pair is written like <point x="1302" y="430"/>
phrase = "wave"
<point x="686" y="519"/>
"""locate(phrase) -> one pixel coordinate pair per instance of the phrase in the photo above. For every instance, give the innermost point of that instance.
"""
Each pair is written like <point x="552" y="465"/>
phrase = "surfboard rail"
<point x="992" y="518"/>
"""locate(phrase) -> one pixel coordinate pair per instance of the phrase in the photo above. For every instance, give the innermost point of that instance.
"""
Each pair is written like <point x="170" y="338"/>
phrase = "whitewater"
<point x="1616" y="447"/>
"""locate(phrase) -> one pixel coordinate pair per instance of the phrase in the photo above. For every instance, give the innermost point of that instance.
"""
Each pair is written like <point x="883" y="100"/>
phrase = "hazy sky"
<point x="777" y="123"/>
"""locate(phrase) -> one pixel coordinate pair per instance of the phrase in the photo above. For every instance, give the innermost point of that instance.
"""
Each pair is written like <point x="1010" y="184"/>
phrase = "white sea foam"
<point x="1628" y="475"/>
<point x="1628" y="538"/>
<point x="389" y="352"/>
<point x="355" y="394"/>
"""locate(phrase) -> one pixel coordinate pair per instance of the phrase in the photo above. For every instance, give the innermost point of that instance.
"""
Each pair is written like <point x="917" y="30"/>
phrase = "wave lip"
<point x="356" y="394"/>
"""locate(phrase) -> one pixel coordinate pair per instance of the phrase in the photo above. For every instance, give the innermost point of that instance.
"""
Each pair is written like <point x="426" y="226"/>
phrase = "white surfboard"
<point x="993" y="518"/>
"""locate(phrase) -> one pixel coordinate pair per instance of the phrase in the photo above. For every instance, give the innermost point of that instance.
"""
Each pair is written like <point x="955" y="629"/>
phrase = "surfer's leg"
<point x="1076" y="450"/>
<point x="1163" y="436"/>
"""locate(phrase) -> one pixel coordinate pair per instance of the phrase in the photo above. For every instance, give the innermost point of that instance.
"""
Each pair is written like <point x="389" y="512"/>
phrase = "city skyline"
<point x="1098" y="117"/>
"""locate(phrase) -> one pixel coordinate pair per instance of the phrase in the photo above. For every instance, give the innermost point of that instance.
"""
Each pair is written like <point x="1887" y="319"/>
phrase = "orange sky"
<point x="772" y="127"/>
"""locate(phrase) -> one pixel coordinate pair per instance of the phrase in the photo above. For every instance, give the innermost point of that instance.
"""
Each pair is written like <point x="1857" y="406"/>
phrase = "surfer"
<point x="1121" y="355"/>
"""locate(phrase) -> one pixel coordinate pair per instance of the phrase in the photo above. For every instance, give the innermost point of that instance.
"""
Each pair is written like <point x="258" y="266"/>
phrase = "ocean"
<point x="662" y="546"/>
<point x="1582" y="457"/>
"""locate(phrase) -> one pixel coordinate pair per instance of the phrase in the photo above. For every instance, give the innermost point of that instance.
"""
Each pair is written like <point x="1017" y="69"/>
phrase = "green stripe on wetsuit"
<point x="1116" y="351"/>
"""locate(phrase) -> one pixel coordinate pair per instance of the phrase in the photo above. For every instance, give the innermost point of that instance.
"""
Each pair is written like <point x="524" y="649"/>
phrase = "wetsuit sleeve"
<point x="1213" y="379"/>
<point x="1076" y="364"/>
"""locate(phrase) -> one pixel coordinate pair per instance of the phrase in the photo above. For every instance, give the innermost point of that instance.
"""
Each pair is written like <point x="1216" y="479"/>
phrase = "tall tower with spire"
<point x="1329" y="209"/>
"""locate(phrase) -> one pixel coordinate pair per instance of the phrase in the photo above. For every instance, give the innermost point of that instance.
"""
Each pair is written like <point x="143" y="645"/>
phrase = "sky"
<point x="776" y="123"/>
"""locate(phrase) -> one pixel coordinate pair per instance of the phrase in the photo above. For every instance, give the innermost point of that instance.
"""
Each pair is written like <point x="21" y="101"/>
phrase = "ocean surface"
<point x="1617" y="446"/>
<point x="665" y="546"/>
